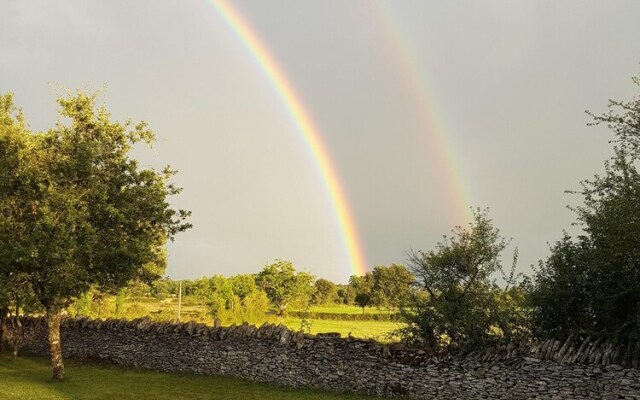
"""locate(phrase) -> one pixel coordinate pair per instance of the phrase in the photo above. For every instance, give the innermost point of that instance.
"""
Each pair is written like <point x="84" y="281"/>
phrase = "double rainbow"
<point x="442" y="147"/>
<point x="306" y="127"/>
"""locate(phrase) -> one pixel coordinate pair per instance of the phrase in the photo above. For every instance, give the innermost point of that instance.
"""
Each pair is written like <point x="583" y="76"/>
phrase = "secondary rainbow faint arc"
<point x="415" y="80"/>
<point x="306" y="127"/>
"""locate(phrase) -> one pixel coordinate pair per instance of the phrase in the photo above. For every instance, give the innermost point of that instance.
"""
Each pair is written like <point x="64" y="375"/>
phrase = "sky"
<point x="424" y="108"/>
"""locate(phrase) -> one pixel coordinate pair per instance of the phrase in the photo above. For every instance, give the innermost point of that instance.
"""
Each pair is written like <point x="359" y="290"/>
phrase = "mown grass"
<point x="29" y="378"/>
<point x="345" y="309"/>
<point x="378" y="330"/>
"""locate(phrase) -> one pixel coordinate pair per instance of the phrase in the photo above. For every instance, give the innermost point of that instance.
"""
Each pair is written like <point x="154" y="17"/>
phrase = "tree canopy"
<point x="283" y="284"/>
<point x="77" y="210"/>
<point x="591" y="284"/>
<point x="459" y="306"/>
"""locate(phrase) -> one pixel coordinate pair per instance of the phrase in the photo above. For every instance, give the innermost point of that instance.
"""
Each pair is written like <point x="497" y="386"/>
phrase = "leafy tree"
<point x="163" y="288"/>
<point x="592" y="283"/>
<point x="283" y="284"/>
<point x="120" y="302"/>
<point x="363" y="288"/>
<point x="458" y="306"/>
<point x="623" y="118"/>
<point x="5" y="304"/>
<point x="346" y="294"/>
<point x="232" y="300"/>
<point x="82" y="305"/>
<point x="243" y="285"/>
<point x="204" y="288"/>
<point x="223" y="295"/>
<point x="189" y="288"/>
<point x="326" y="292"/>
<point x="218" y="305"/>
<point x="93" y="216"/>
<point x="16" y="298"/>
<point x="392" y="286"/>
<point x="611" y="219"/>
<point x="17" y="181"/>
<point x="561" y="297"/>
<point x="363" y="300"/>
<point x="255" y="306"/>
<point x="4" y="312"/>
<point x="138" y="289"/>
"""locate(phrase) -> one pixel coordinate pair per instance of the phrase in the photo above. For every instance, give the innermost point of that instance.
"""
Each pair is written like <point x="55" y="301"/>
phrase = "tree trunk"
<point x="16" y="335"/>
<point x="15" y="342"/>
<point x="4" y="314"/>
<point x="54" y="317"/>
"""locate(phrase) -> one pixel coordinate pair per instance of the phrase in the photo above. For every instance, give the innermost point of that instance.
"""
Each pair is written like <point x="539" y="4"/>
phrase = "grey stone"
<point x="275" y="354"/>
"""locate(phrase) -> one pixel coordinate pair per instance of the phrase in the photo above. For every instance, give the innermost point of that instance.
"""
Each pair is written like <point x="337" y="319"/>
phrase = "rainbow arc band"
<point x="404" y="53"/>
<point x="306" y="127"/>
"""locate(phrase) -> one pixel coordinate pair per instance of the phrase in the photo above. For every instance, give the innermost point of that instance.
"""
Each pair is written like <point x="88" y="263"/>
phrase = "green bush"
<point x="459" y="307"/>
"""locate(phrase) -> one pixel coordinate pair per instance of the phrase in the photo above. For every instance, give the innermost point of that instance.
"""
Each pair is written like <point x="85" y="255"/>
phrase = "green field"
<point x="345" y="309"/>
<point x="29" y="378"/>
<point x="192" y="311"/>
<point x="378" y="330"/>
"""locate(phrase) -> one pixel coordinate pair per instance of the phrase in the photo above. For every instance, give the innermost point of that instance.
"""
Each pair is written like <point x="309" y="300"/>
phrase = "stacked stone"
<point x="552" y="369"/>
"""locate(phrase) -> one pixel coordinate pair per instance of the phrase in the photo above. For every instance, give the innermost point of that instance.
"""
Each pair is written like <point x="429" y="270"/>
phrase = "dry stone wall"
<point x="575" y="369"/>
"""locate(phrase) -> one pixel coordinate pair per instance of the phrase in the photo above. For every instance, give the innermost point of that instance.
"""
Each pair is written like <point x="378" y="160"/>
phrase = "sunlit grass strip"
<point x="29" y="378"/>
<point x="379" y="330"/>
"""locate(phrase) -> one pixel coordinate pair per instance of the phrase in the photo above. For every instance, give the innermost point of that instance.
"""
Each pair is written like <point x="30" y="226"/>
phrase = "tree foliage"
<point x="459" y="307"/>
<point x="80" y="211"/>
<point x="591" y="283"/>
<point x="326" y="292"/>
<point x="392" y="286"/>
<point x="17" y="183"/>
<point x="283" y="284"/>
<point x="346" y="294"/>
<point x="363" y="289"/>
<point x="561" y="297"/>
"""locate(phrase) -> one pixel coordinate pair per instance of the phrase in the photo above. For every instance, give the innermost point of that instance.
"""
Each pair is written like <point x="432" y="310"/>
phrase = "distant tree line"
<point x="247" y="297"/>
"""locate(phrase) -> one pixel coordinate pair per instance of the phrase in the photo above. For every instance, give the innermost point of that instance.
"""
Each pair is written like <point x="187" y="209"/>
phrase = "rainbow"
<point x="442" y="146"/>
<point x="306" y="127"/>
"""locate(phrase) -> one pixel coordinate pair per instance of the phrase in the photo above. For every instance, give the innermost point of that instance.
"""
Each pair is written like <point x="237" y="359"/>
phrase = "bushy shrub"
<point x="458" y="307"/>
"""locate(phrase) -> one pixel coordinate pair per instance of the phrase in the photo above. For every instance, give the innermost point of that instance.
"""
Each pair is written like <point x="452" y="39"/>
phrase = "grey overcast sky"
<point x="507" y="82"/>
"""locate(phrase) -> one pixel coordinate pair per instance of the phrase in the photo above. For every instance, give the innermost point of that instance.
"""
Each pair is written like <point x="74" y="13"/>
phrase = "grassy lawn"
<point x="29" y="378"/>
<point x="345" y="309"/>
<point x="378" y="330"/>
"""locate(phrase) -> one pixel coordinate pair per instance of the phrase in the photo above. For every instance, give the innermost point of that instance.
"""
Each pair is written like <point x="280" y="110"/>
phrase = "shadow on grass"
<point x="30" y="378"/>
